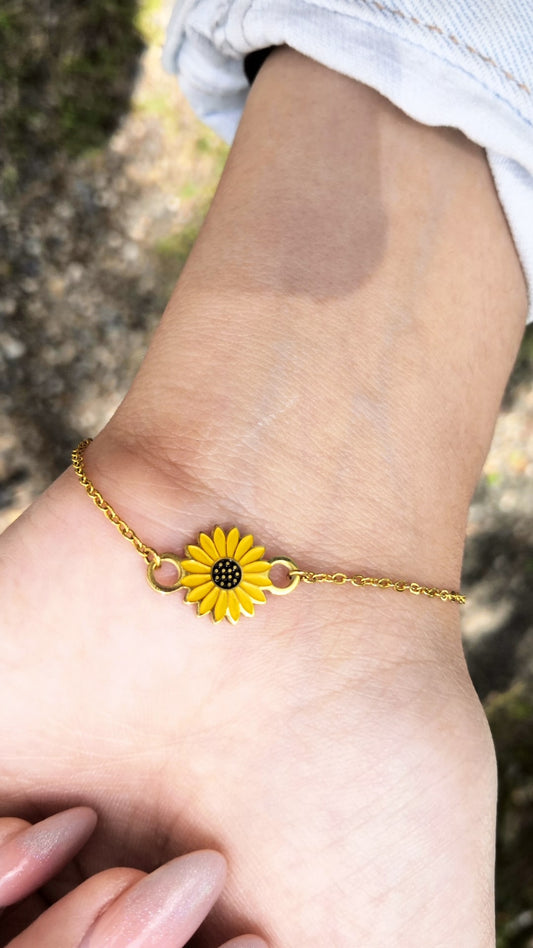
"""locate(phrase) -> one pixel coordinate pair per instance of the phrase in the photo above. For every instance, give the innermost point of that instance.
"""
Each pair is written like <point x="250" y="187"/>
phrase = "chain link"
<point x="339" y="579"/>
<point x="155" y="559"/>
<point x="148" y="554"/>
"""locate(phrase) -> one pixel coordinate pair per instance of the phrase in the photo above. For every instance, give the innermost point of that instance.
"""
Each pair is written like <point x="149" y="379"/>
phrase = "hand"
<point x="311" y="381"/>
<point x="119" y="908"/>
<point x="332" y="750"/>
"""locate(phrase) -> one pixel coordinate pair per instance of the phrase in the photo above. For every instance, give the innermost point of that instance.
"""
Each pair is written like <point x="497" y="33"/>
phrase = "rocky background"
<point x="105" y="178"/>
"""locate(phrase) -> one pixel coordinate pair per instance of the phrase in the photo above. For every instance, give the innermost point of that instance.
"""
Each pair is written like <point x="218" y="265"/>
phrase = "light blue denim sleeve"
<point x="464" y="63"/>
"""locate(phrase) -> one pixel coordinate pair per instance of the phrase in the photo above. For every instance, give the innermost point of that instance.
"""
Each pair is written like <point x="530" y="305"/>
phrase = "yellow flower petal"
<point x="231" y="541"/>
<point x="199" y="592"/>
<point x="195" y="579"/>
<point x="221" y="605"/>
<point x="219" y="539"/>
<point x="256" y="579"/>
<point x="253" y="591"/>
<point x="233" y="605"/>
<point x="207" y="604"/>
<point x="261" y="566"/>
<point x="243" y="546"/>
<point x="245" y="601"/>
<point x="207" y="544"/>
<point x="197" y="553"/>
<point x="192" y="566"/>
<point x="252" y="555"/>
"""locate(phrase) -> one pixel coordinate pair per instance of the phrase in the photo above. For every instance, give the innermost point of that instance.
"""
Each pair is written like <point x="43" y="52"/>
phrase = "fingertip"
<point x="165" y="906"/>
<point x="83" y="812"/>
<point x="31" y="855"/>
<point x="246" y="941"/>
<point x="83" y="818"/>
<point x="210" y="862"/>
<point x="64" y="833"/>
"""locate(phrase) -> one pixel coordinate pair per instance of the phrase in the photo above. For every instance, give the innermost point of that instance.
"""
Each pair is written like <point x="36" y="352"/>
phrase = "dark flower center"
<point x="226" y="573"/>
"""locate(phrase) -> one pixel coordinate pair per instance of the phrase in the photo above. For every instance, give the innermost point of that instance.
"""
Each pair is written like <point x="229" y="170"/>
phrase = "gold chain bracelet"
<point x="225" y="574"/>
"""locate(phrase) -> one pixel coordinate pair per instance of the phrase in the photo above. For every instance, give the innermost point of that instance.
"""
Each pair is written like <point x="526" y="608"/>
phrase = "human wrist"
<point x="335" y="407"/>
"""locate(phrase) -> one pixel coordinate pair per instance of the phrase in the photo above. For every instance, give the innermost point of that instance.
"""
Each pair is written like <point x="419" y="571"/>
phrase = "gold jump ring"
<point x="284" y="590"/>
<point x="164" y="558"/>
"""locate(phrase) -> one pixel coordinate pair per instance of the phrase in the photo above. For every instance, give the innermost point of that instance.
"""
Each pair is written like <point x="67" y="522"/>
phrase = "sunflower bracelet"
<point x="225" y="574"/>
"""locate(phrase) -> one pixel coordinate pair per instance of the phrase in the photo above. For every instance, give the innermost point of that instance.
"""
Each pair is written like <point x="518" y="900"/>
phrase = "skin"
<point x="119" y="908"/>
<point x="327" y="375"/>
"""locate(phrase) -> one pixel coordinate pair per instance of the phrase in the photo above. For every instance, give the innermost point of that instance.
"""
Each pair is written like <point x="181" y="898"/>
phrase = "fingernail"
<point x="245" y="941"/>
<point x="165" y="906"/>
<point x="31" y="857"/>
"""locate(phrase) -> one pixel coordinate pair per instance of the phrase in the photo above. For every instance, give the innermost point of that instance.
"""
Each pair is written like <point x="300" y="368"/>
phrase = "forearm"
<point x="335" y="352"/>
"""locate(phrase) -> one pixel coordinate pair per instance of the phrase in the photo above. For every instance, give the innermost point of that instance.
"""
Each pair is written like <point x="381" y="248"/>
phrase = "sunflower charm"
<point x="225" y="575"/>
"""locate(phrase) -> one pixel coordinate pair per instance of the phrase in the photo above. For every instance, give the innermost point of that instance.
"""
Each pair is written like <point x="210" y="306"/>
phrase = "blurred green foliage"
<point x="66" y="70"/>
<point x="149" y="23"/>
<point x="172" y="252"/>
<point x="511" y="719"/>
<point x="523" y="367"/>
